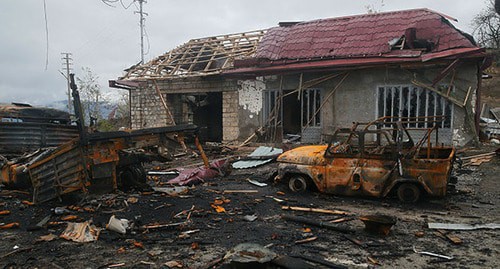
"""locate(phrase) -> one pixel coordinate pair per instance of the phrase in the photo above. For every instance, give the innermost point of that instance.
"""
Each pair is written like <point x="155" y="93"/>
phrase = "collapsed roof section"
<point x="198" y="57"/>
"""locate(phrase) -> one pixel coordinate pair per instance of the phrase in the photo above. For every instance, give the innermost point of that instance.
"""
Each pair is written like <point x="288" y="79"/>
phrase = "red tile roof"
<point x="358" y="36"/>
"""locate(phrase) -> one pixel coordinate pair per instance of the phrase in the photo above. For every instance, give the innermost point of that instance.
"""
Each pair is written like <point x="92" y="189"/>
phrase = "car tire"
<point x="408" y="193"/>
<point x="297" y="183"/>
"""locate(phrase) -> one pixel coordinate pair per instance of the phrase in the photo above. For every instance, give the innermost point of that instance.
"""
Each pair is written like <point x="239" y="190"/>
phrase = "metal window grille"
<point x="411" y="101"/>
<point x="270" y="100"/>
<point x="311" y="103"/>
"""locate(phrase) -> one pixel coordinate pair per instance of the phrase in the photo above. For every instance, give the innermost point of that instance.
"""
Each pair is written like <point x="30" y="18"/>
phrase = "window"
<point x="411" y="101"/>
<point x="270" y="100"/>
<point x="311" y="102"/>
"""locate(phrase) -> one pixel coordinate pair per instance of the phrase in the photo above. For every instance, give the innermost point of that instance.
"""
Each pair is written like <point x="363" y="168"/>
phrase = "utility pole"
<point x="141" y="23"/>
<point x="67" y="63"/>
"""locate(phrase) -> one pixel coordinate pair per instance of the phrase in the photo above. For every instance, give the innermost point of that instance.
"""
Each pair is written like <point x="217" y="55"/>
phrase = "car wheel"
<point x="297" y="183"/>
<point x="408" y="193"/>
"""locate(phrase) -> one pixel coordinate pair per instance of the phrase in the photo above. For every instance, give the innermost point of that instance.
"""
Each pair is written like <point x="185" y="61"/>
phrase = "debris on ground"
<point x="81" y="232"/>
<point x="258" y="157"/>
<point x="462" y="227"/>
<point x="433" y="254"/>
<point x="196" y="226"/>
<point x="378" y="224"/>
<point x="201" y="174"/>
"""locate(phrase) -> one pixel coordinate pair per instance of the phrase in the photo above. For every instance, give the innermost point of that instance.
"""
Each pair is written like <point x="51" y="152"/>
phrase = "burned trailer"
<point x="373" y="159"/>
<point x="92" y="162"/>
<point x="24" y="128"/>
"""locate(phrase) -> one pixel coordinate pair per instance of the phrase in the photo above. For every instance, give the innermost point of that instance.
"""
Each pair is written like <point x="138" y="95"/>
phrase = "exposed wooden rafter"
<point x="198" y="57"/>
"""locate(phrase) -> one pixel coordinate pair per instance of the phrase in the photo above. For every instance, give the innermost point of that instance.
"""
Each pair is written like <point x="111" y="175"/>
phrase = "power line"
<point x="67" y="63"/>
<point x="142" y="21"/>
<point x="46" y="35"/>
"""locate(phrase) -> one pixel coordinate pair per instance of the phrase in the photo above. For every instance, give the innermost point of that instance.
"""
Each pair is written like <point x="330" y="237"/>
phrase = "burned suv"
<point x="374" y="159"/>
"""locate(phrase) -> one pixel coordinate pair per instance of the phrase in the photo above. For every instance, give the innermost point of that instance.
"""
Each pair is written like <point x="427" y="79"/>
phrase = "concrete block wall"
<point x="230" y="122"/>
<point x="355" y="100"/>
<point x="146" y="109"/>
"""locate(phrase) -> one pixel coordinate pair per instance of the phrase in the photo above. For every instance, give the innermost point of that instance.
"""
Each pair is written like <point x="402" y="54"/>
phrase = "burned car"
<point x="373" y="159"/>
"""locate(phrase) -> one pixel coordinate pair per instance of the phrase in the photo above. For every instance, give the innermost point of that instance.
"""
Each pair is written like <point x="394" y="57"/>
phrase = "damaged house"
<point x="309" y="78"/>
<point x="185" y="85"/>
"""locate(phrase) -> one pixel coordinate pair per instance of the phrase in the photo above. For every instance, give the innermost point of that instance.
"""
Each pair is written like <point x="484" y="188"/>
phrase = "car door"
<point x="377" y="164"/>
<point x="342" y="162"/>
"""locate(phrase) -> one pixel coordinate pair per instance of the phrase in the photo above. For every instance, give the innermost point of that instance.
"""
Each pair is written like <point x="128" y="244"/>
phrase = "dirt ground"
<point x="209" y="235"/>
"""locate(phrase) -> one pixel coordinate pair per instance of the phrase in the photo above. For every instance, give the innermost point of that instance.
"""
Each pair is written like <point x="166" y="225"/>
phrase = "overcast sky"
<point x="107" y="39"/>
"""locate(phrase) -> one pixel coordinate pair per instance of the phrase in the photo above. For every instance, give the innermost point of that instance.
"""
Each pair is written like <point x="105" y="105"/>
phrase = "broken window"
<point x="410" y="101"/>
<point x="311" y="103"/>
<point x="272" y="107"/>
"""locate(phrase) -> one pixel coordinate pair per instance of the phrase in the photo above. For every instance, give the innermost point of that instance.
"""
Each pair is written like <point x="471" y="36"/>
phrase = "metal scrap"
<point x="259" y="156"/>
<point x="256" y="183"/>
<point x="462" y="227"/>
<point x="432" y="254"/>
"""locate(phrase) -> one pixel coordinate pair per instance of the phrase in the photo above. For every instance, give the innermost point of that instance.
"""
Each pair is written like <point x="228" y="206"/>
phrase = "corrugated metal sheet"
<point x="358" y="36"/>
<point x="20" y="137"/>
<point x="258" y="152"/>
<point x="61" y="173"/>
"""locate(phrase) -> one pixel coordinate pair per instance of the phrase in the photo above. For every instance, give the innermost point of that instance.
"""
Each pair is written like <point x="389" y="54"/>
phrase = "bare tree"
<point x="487" y="26"/>
<point x="375" y="8"/>
<point x="90" y="92"/>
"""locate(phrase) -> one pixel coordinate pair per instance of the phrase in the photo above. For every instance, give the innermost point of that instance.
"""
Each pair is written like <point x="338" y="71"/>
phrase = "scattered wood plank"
<point x="14" y="252"/>
<point x="239" y="191"/>
<point x="159" y="226"/>
<point x="316" y="223"/>
<point x="448" y="237"/>
<point x="355" y="241"/>
<point x="478" y="156"/>
<point x="454" y="239"/>
<point x="373" y="260"/>
<point x="339" y="220"/>
<point x="306" y="240"/>
<point x="320" y="260"/>
<point x="315" y="210"/>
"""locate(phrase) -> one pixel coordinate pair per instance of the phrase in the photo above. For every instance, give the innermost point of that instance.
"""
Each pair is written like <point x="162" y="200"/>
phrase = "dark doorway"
<point x="291" y="114"/>
<point x="207" y="115"/>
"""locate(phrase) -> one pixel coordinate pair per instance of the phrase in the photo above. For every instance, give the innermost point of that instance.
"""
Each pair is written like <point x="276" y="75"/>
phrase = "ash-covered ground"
<point x="201" y="236"/>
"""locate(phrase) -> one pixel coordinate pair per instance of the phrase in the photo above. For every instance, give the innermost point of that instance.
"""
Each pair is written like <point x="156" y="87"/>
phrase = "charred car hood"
<point x="312" y="155"/>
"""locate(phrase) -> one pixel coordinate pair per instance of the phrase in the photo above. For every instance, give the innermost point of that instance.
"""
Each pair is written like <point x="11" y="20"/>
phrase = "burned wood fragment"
<point x="321" y="224"/>
<point x="321" y="261"/>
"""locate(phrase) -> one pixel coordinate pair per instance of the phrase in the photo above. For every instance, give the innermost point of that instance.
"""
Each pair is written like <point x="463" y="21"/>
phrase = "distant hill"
<point x="105" y="108"/>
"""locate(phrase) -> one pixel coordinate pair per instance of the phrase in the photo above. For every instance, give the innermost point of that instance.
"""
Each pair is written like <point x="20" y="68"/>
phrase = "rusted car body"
<point x="371" y="160"/>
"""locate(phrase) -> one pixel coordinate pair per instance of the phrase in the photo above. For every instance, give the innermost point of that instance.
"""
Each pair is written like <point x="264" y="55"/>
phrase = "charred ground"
<point x="213" y="234"/>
